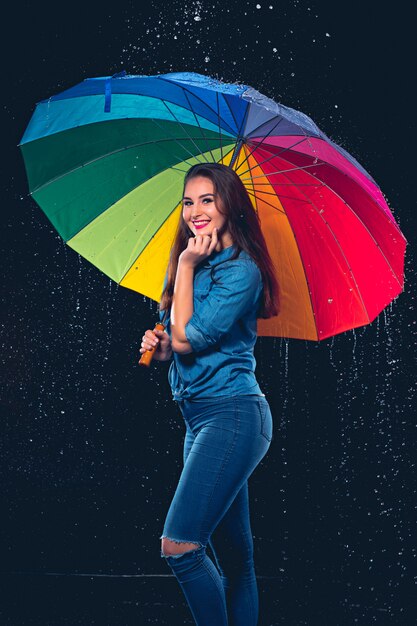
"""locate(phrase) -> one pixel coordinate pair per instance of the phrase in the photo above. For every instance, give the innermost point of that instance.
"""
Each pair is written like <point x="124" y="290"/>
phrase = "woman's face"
<point x="200" y="211"/>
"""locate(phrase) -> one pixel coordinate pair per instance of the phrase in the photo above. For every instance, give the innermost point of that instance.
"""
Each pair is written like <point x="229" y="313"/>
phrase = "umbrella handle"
<point x="147" y="356"/>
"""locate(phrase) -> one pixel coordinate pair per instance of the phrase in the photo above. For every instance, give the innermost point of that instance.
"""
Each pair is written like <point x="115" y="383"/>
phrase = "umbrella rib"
<point x="196" y="119"/>
<point x="179" y="159"/>
<point x="293" y="169"/>
<point x="185" y="89"/>
<point x="269" y="193"/>
<point x="318" y="184"/>
<point x="244" y="120"/>
<point x="177" y="120"/>
<point x="257" y="128"/>
<point x="252" y="193"/>
<point x="233" y="115"/>
<point x="192" y="155"/>
<point x="185" y="171"/>
<point x="273" y="155"/>
<point x="234" y="119"/>
<point x="240" y="135"/>
<point x="259" y="144"/>
<point x="239" y="128"/>
<point x="240" y="139"/>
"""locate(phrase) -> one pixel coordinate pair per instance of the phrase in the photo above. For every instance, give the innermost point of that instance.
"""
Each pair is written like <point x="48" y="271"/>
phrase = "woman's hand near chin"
<point x="199" y="248"/>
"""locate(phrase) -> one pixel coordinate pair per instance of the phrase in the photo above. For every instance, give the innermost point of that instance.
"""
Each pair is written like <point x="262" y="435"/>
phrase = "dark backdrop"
<point x="91" y="444"/>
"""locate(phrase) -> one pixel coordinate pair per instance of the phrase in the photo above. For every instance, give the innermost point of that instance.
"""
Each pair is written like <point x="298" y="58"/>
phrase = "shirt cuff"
<point x="195" y="338"/>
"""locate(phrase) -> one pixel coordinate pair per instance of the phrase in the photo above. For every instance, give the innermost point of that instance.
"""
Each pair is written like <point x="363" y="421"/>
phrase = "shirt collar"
<point x="217" y="257"/>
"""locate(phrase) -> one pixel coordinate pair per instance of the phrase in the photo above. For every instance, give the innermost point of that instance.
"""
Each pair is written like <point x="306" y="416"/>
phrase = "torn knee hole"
<point x="177" y="547"/>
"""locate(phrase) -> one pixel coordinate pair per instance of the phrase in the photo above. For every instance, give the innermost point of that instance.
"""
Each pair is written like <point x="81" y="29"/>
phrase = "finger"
<point x="200" y="243"/>
<point x="213" y="241"/>
<point x="150" y="338"/>
<point x="205" y="239"/>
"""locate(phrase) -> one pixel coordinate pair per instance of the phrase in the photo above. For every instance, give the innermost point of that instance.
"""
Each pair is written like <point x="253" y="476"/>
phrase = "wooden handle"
<point x="147" y="356"/>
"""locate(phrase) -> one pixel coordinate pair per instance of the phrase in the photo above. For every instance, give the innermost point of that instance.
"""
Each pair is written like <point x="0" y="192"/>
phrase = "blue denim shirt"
<point x="221" y="331"/>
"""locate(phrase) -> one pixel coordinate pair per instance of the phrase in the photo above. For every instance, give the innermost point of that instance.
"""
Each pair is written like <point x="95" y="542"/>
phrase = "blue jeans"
<point x="225" y="439"/>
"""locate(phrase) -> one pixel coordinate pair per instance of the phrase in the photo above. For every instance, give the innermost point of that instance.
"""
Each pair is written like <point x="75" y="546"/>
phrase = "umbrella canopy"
<point x="106" y="161"/>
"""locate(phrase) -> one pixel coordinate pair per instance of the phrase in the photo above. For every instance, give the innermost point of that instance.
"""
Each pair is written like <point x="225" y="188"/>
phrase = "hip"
<point x="247" y="414"/>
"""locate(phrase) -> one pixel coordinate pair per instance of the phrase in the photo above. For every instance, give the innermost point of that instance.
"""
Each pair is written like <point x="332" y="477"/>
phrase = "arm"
<point x="182" y="307"/>
<point x="235" y="293"/>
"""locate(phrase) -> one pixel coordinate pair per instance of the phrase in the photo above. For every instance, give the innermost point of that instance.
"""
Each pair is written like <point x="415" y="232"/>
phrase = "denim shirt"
<point x="221" y="331"/>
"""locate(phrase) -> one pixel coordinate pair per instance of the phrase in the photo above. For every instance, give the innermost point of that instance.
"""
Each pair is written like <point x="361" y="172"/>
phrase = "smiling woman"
<point x="220" y="278"/>
<point x="201" y="212"/>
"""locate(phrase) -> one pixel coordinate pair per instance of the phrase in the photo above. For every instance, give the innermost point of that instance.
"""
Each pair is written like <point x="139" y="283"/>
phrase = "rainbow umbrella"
<point x="106" y="160"/>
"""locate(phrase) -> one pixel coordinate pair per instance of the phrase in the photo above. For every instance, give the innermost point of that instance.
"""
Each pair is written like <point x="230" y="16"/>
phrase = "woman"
<point x="220" y="278"/>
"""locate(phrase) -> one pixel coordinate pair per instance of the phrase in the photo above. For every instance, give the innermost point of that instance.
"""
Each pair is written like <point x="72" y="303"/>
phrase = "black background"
<point x="91" y="444"/>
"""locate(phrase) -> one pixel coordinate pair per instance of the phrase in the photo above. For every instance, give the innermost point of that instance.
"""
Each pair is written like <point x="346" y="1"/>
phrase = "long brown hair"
<point x="234" y="202"/>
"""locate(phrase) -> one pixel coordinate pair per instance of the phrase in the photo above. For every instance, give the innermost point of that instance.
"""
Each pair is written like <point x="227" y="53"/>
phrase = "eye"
<point x="208" y="199"/>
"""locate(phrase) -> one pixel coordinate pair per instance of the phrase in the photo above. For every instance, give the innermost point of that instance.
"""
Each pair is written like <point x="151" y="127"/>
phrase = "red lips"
<point x="201" y="225"/>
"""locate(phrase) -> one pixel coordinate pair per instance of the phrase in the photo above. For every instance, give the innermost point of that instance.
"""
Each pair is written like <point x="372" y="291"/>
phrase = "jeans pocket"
<point x="266" y="418"/>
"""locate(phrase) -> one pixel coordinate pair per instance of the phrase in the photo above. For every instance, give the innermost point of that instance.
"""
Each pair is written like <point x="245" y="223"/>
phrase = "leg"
<point x="172" y="548"/>
<point x="199" y="590"/>
<point x="232" y="546"/>
<point x="220" y="454"/>
<point x="169" y="547"/>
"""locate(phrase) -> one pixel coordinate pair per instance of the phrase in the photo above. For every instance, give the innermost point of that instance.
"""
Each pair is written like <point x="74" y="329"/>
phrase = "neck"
<point x="223" y="243"/>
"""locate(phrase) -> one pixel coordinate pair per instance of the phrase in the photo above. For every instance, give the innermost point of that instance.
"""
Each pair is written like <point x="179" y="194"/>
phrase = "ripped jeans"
<point x="225" y="439"/>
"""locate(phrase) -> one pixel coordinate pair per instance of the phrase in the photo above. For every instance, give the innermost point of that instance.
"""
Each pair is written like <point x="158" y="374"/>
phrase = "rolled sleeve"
<point x="235" y="293"/>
